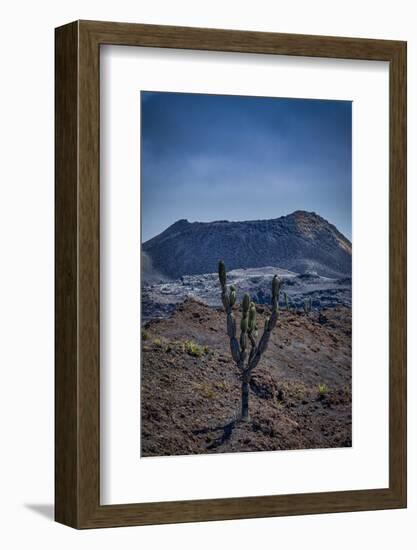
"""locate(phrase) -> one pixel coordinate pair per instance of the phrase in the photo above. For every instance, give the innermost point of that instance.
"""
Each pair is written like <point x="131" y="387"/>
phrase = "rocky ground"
<point x="161" y="297"/>
<point x="300" y="394"/>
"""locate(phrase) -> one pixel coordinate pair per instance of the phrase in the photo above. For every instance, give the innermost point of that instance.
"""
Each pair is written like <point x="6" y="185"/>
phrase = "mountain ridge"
<point x="302" y="242"/>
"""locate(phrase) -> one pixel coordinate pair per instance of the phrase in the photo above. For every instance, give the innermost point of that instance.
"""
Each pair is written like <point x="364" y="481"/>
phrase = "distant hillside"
<point x="301" y="242"/>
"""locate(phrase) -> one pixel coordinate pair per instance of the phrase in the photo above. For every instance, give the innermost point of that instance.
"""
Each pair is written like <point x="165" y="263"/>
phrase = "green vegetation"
<point x="193" y="349"/>
<point x="323" y="390"/>
<point x="207" y="391"/>
<point x="187" y="346"/>
<point x="223" y="385"/>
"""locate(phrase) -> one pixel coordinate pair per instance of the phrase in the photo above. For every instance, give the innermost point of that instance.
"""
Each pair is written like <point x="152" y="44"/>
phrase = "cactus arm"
<point x="222" y="278"/>
<point x="228" y="302"/>
<point x="244" y="332"/>
<point x="235" y="351"/>
<point x="231" y="332"/>
<point x="287" y="302"/>
<point x="276" y="285"/>
<point x="252" y="340"/>
<point x="243" y="356"/>
<point x="263" y="342"/>
<point x="244" y="324"/>
<point x="269" y="326"/>
<point x="222" y="274"/>
<point x="225" y="300"/>
<point x="232" y="295"/>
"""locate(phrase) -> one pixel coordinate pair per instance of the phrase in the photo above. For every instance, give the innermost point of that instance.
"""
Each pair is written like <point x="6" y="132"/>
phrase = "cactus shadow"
<point x="225" y="430"/>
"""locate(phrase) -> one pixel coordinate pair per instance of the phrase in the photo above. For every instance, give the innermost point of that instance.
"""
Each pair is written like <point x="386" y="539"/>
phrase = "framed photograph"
<point x="230" y="274"/>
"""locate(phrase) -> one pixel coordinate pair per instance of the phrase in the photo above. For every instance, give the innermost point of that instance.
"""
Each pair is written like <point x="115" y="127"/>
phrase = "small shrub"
<point x="145" y="335"/>
<point x="323" y="390"/>
<point x="223" y="385"/>
<point x="177" y="344"/>
<point x="157" y="342"/>
<point x="207" y="391"/>
<point x="193" y="349"/>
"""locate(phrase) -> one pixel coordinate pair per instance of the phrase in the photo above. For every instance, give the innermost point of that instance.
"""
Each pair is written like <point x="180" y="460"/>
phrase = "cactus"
<point x="287" y="302"/>
<point x="252" y="318"/>
<point x="232" y="295"/>
<point x="244" y="324"/>
<point x="276" y="285"/>
<point x="308" y="303"/>
<point x="246" y="303"/>
<point x="245" y="361"/>
<point x="222" y="274"/>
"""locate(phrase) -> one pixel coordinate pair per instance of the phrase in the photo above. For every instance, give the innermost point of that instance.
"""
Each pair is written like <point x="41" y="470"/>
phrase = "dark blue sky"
<point x="209" y="157"/>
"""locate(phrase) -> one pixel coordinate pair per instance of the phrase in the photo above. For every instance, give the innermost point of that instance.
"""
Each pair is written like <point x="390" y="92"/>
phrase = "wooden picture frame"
<point x="77" y="374"/>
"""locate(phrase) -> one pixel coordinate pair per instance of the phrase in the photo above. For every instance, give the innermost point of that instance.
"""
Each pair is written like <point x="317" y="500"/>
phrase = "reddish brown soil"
<point x="189" y="404"/>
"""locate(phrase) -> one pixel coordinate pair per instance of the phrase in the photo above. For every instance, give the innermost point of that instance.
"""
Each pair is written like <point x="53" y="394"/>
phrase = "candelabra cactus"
<point x="246" y="360"/>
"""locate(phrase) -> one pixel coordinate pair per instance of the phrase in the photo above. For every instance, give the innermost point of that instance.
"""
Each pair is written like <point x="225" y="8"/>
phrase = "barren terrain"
<point x="300" y="394"/>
